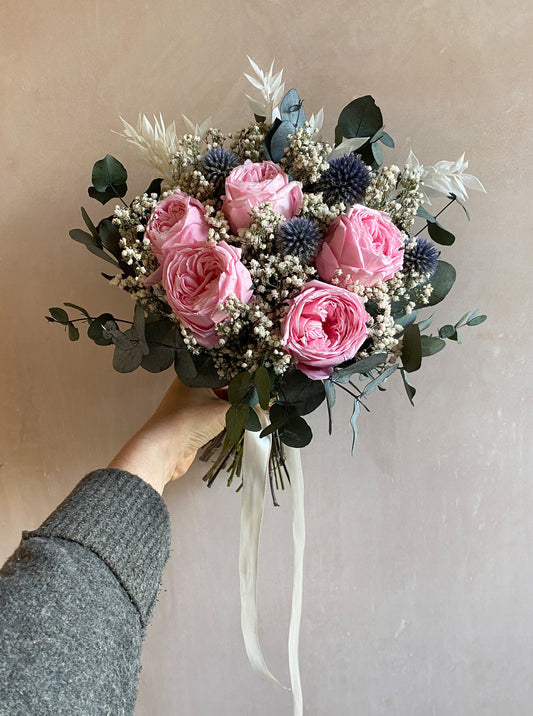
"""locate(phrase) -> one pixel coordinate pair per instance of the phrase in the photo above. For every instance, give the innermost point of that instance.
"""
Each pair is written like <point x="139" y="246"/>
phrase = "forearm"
<point x="75" y="599"/>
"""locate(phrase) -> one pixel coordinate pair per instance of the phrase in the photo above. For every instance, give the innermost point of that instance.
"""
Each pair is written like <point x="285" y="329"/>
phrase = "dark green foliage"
<point x="363" y="118"/>
<point x="96" y="331"/>
<point x="59" y="314"/>
<point x="411" y="349"/>
<point x="296" y="389"/>
<point x="343" y="373"/>
<point x="109" y="180"/>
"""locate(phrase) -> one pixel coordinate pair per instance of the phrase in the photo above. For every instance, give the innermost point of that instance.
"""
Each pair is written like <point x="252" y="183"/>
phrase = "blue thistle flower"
<point x="422" y="258"/>
<point x="298" y="237"/>
<point x="216" y="165"/>
<point x="346" y="179"/>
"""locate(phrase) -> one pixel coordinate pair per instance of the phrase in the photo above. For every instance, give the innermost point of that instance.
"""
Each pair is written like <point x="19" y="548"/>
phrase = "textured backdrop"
<point x="418" y="577"/>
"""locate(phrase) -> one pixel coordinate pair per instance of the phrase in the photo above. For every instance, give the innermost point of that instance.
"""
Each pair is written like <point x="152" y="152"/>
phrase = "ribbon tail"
<point x="294" y="465"/>
<point x="255" y="468"/>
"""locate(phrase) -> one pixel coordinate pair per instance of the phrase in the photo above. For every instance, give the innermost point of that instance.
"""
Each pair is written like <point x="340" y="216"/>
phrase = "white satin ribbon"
<point x="255" y="475"/>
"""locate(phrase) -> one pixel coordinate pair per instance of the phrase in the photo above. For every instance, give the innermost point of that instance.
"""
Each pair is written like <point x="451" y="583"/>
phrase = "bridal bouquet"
<point x="279" y="265"/>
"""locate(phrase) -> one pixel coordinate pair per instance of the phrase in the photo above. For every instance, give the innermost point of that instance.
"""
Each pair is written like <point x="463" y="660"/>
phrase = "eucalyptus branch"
<point x="454" y="198"/>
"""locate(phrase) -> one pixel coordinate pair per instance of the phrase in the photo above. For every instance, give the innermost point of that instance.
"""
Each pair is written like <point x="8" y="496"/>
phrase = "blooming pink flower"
<point x="251" y="184"/>
<point x="176" y="219"/>
<point x="325" y="326"/>
<point x="363" y="243"/>
<point x="198" y="278"/>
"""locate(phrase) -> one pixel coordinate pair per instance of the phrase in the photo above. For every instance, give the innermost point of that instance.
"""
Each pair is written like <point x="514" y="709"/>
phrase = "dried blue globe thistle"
<point x="422" y="258"/>
<point x="298" y="237"/>
<point x="346" y="179"/>
<point x="216" y="165"/>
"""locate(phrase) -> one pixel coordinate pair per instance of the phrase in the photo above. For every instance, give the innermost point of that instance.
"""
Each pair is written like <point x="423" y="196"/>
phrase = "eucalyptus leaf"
<point x="476" y="320"/>
<point x="279" y="415"/>
<point x="73" y="332"/>
<point x="126" y="361"/>
<point x="239" y="387"/>
<point x="425" y="215"/>
<point x="262" y="385"/>
<point x="110" y="237"/>
<point x="361" y="118"/>
<point x="406" y="319"/>
<point x="303" y="393"/>
<point x="280" y="140"/>
<point x="112" y="193"/>
<point x="387" y="140"/>
<point x="446" y="331"/>
<point x="409" y="389"/>
<point x="60" y="315"/>
<point x="426" y="323"/>
<point x="291" y="109"/>
<point x="440" y="235"/>
<point x="377" y="154"/>
<point x="122" y="339"/>
<point x="197" y="371"/>
<point x="158" y="358"/>
<point x="363" y="365"/>
<point x="236" y="418"/>
<point x="253" y="423"/>
<point x="376" y="382"/>
<point x="138" y="328"/>
<point x="442" y="281"/>
<point x="412" y="349"/>
<point x="431" y="345"/>
<point x="353" y="422"/>
<point x="108" y="172"/>
<point x="296" y="432"/>
<point x="96" y="329"/>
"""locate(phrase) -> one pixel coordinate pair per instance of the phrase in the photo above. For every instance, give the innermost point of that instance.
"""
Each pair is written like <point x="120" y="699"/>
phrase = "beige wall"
<point x="418" y="576"/>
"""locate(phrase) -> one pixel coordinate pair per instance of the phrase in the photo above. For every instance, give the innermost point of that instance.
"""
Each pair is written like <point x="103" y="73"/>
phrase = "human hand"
<point x="165" y="447"/>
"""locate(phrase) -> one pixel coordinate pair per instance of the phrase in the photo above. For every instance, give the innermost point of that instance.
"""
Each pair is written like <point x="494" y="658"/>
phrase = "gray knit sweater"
<point x="75" y="599"/>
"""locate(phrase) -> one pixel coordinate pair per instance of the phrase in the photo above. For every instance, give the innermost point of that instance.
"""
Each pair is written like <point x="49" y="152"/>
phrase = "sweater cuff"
<point x="125" y="522"/>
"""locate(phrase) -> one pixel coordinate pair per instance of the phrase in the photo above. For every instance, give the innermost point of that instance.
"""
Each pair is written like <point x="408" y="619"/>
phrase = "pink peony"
<point x="198" y="278"/>
<point x="250" y="184"/>
<point x="364" y="244"/>
<point x="325" y="326"/>
<point x="176" y="219"/>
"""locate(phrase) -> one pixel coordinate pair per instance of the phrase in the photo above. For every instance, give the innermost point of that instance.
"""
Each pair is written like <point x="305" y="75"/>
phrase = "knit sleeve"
<point x="75" y="599"/>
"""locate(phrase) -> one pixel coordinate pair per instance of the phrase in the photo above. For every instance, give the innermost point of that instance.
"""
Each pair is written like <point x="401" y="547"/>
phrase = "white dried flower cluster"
<point x="248" y="143"/>
<point x="131" y="222"/>
<point x="314" y="208"/>
<point x="259" y="236"/>
<point x="396" y="192"/>
<point x="305" y="158"/>
<point x="220" y="228"/>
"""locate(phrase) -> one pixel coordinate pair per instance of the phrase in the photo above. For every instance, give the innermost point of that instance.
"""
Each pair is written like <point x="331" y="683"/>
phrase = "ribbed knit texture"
<point x="75" y="598"/>
<point x="125" y="522"/>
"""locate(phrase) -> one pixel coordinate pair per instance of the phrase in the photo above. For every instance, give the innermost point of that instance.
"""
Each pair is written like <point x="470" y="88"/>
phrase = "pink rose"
<point x="250" y="184"/>
<point x="198" y="278"/>
<point x="176" y="219"/>
<point x="325" y="326"/>
<point x="363" y="243"/>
